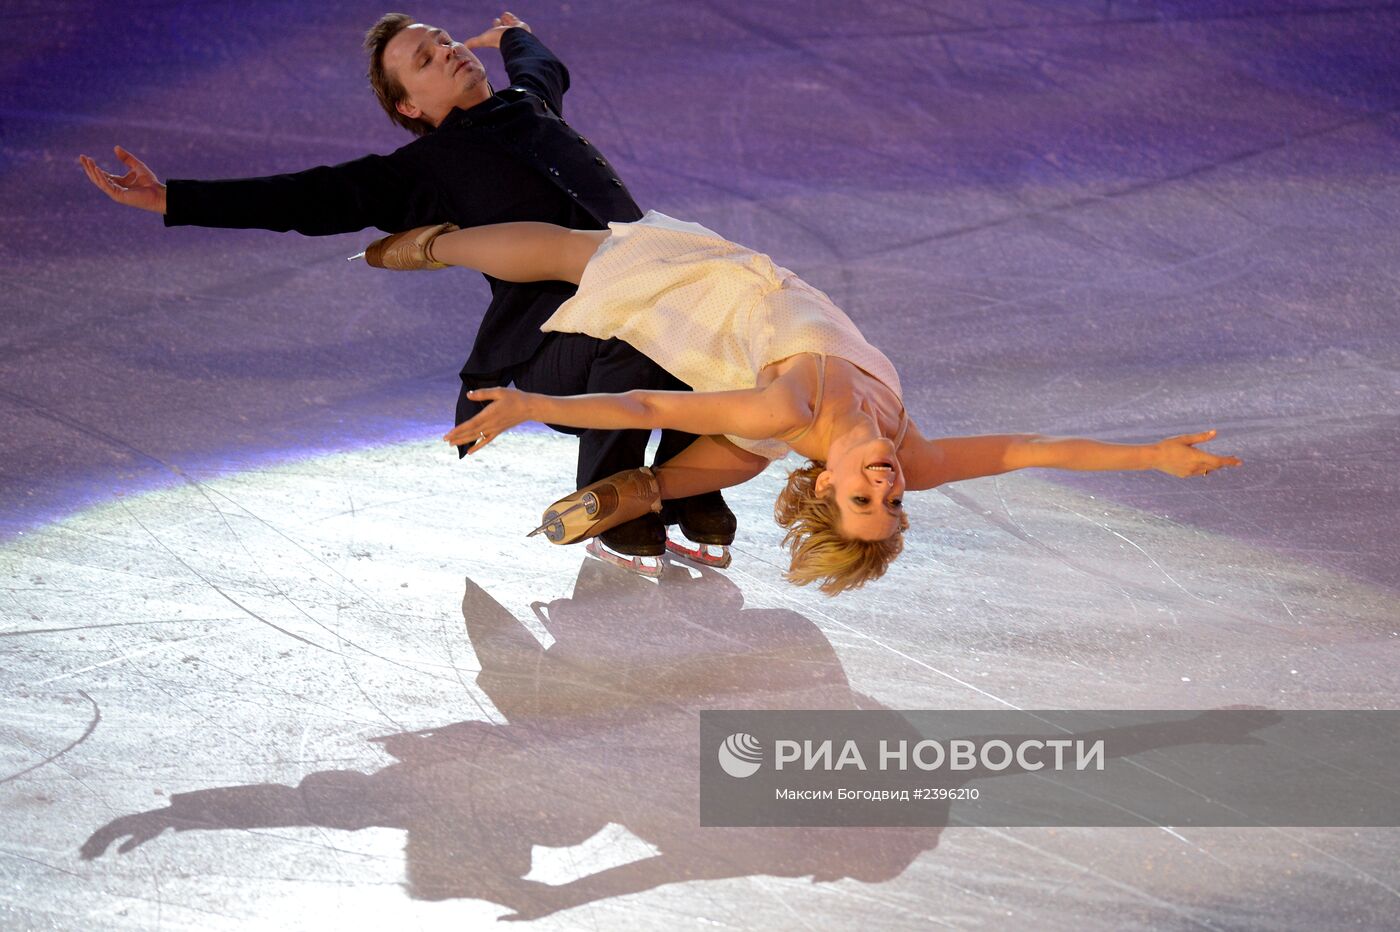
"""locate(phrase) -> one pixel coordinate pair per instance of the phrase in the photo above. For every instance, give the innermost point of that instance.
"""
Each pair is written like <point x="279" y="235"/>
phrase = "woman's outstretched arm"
<point x="757" y="413"/>
<point x="929" y="463"/>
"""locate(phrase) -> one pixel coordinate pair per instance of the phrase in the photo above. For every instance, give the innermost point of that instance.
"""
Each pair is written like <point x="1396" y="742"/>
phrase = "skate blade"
<point x="651" y="567"/>
<point x="715" y="555"/>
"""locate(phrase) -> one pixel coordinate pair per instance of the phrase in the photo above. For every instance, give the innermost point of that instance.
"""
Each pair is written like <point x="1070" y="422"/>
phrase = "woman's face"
<point x="868" y="486"/>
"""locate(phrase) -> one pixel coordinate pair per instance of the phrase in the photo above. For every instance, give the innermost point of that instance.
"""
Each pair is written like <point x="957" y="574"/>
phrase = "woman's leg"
<point x="520" y="252"/>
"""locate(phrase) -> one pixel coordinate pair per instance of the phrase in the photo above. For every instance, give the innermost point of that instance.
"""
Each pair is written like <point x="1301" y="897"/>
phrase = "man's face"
<point x="436" y="72"/>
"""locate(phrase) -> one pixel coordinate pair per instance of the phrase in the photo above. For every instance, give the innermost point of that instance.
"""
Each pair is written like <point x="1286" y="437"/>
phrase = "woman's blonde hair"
<point x="819" y="550"/>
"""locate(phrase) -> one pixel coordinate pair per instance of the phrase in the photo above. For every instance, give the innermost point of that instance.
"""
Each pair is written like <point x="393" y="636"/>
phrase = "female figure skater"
<point x="775" y="366"/>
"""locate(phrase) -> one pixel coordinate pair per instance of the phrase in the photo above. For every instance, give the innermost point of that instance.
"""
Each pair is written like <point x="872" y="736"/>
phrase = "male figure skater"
<point x="480" y="157"/>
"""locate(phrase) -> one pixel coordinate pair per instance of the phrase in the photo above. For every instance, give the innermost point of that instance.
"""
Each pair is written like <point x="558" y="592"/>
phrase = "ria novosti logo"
<point x="740" y="755"/>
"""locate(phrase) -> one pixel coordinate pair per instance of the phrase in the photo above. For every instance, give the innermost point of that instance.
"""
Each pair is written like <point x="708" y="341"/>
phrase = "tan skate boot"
<point x="409" y="251"/>
<point x="601" y="506"/>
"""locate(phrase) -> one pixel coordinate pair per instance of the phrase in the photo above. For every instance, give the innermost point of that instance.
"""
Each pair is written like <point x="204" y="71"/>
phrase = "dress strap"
<point x="903" y="426"/>
<point x="816" y="404"/>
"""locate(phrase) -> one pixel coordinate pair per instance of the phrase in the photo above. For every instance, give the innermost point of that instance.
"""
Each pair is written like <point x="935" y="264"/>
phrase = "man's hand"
<point x="139" y="187"/>
<point x="491" y="38"/>
<point x="1178" y="456"/>
<point x="508" y="407"/>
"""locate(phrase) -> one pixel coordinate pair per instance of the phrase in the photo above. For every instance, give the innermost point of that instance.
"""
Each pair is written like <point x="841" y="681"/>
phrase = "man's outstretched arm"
<point x="387" y="192"/>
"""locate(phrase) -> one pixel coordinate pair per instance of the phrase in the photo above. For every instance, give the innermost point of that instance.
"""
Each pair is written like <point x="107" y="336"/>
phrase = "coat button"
<point x="582" y="140"/>
<point x="600" y="160"/>
<point x="553" y="170"/>
<point x="617" y="182"/>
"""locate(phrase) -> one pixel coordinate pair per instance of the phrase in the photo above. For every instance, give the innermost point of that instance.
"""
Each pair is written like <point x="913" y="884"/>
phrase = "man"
<point x="481" y="157"/>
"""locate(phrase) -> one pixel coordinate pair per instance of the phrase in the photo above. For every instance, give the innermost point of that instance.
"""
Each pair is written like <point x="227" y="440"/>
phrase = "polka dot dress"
<point x="710" y="312"/>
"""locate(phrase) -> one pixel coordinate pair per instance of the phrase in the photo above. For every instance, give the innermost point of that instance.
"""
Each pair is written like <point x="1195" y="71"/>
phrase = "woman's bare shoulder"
<point x="793" y="393"/>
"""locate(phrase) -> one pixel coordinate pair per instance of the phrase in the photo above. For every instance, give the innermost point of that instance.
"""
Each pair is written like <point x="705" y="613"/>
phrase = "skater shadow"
<point x="602" y="729"/>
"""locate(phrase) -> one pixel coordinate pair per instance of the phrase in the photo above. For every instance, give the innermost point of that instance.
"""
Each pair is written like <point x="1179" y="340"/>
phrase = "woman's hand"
<point x="1178" y="456"/>
<point x="507" y="407"/>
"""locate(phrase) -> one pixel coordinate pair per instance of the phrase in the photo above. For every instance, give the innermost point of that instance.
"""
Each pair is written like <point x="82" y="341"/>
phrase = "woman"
<point x="774" y="365"/>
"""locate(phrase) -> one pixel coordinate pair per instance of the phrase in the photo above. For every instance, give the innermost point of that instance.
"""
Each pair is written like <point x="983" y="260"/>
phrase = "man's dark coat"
<point x="512" y="157"/>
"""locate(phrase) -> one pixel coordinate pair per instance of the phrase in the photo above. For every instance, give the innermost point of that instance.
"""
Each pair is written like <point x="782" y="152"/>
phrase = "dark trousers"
<point x="577" y="364"/>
